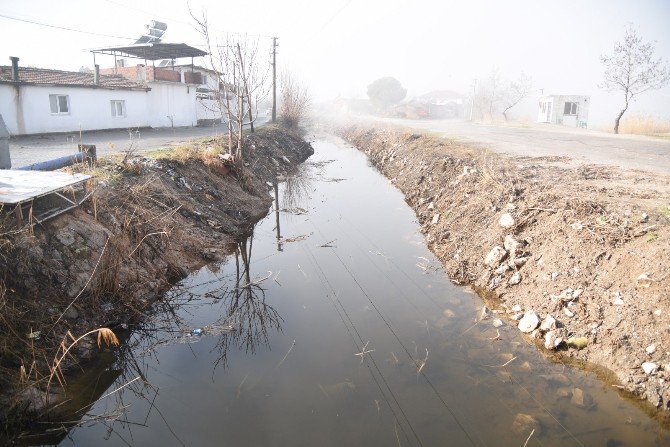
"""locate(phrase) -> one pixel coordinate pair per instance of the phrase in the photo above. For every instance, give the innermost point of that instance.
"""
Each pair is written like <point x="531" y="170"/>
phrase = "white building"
<point x="567" y="110"/>
<point x="38" y="100"/>
<point x="208" y="107"/>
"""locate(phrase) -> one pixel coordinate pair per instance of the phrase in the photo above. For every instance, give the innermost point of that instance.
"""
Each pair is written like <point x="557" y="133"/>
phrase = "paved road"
<point x="26" y="150"/>
<point x="583" y="146"/>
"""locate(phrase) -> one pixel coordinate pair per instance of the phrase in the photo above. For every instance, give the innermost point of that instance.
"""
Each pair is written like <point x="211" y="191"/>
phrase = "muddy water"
<point x="344" y="331"/>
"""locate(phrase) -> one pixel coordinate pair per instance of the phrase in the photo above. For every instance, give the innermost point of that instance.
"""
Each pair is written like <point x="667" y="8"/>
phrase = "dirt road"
<point x="582" y="146"/>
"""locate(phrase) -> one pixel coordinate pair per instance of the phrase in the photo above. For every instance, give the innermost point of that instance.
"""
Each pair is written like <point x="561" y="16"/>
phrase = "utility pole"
<point x="274" y="79"/>
<point x="474" y="93"/>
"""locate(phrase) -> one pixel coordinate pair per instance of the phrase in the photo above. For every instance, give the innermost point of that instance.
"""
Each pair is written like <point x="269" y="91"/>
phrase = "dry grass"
<point x="644" y="125"/>
<point x="105" y="337"/>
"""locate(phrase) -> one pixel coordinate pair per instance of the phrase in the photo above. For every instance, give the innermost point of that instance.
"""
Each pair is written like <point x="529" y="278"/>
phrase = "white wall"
<point x="90" y="109"/>
<point x="171" y="104"/>
<point x="8" y="99"/>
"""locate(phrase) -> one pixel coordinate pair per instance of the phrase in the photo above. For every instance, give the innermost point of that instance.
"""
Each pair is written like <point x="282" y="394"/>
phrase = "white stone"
<point x="431" y="206"/>
<point x="497" y="322"/>
<point x="517" y="317"/>
<point x="658" y="312"/>
<point x="568" y="312"/>
<point x="494" y="257"/>
<point x="436" y="219"/>
<point x="511" y="244"/>
<point x="548" y="324"/>
<point x="514" y="279"/>
<point x="502" y="268"/>
<point x="486" y="312"/>
<point x="649" y="367"/>
<point x="529" y="322"/>
<point x="618" y="301"/>
<point x="644" y="280"/>
<point x="651" y="349"/>
<point x="549" y="340"/>
<point x="577" y="226"/>
<point x="517" y="308"/>
<point x="506" y="221"/>
<point x="577" y="293"/>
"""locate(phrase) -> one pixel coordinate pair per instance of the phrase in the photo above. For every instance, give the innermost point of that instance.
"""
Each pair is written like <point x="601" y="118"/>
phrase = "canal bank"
<point x="578" y="258"/>
<point x="151" y="220"/>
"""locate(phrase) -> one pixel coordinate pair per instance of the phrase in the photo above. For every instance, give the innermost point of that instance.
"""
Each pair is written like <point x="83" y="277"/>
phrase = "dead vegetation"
<point x="644" y="125"/>
<point x="150" y="221"/>
<point x="548" y="228"/>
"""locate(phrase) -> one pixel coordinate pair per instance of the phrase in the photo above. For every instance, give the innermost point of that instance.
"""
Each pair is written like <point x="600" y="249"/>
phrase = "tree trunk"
<point x="618" y="118"/>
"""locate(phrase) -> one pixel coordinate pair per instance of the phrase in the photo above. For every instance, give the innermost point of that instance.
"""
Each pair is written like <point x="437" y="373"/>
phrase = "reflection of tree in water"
<point x="296" y="187"/>
<point x="123" y="378"/>
<point x="247" y="311"/>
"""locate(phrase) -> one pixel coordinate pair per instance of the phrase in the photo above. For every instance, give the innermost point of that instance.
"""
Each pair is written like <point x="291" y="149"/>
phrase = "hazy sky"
<point x="340" y="46"/>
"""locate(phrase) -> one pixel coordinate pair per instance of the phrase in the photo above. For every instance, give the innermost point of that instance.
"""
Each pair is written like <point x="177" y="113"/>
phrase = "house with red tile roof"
<point x="40" y="100"/>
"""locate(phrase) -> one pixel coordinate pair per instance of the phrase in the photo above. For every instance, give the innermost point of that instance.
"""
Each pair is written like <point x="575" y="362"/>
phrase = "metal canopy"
<point x="41" y="195"/>
<point x="22" y="186"/>
<point x="152" y="51"/>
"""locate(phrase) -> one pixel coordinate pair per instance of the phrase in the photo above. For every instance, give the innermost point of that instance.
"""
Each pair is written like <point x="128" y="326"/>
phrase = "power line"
<point x="151" y="13"/>
<point x="33" y="22"/>
<point x="337" y="13"/>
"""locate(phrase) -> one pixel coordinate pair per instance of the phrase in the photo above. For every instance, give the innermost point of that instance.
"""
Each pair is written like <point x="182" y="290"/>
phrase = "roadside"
<point x="30" y="149"/>
<point x="580" y="145"/>
<point x="578" y="257"/>
<point x="151" y="220"/>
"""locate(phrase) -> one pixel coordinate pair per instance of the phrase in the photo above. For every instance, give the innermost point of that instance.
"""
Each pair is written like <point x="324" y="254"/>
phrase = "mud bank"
<point x="151" y="220"/>
<point x="579" y="256"/>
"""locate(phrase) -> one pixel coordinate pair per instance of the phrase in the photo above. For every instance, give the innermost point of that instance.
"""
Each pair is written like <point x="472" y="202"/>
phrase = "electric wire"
<point x="34" y="22"/>
<point x="322" y="277"/>
<point x="423" y="374"/>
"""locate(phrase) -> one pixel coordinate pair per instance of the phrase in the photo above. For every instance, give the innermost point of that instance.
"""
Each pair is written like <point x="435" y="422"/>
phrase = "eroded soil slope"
<point x="589" y="247"/>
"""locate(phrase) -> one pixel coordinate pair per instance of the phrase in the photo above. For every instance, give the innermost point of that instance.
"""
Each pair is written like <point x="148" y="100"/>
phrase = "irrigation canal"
<point x="344" y="331"/>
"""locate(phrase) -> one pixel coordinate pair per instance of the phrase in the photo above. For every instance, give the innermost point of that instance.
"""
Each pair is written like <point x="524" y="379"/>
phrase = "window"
<point x="570" y="108"/>
<point x="118" y="108"/>
<point x="60" y="104"/>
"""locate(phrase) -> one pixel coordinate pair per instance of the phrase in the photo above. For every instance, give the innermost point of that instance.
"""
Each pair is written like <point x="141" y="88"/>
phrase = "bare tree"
<point x="633" y="69"/>
<point x="294" y="101"/>
<point x="515" y="93"/>
<point x="493" y="91"/>
<point x="242" y="77"/>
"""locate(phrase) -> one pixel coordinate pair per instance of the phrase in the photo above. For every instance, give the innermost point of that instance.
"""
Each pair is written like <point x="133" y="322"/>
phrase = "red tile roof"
<point x="44" y="76"/>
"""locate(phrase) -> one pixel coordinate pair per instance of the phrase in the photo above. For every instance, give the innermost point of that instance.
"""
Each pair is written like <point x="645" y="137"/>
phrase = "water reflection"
<point x="247" y="311"/>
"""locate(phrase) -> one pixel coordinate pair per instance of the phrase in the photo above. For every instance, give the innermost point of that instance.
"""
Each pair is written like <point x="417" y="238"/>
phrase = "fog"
<point x="339" y="47"/>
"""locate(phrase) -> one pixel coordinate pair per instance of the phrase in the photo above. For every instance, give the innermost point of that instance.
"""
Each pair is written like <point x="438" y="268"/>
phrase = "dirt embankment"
<point x="150" y="221"/>
<point x="588" y="246"/>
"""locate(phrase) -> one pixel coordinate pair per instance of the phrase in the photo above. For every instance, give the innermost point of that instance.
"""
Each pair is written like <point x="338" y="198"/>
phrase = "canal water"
<point x="342" y="331"/>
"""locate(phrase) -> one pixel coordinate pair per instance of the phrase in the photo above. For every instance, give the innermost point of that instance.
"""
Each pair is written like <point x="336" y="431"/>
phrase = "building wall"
<point x="206" y="109"/>
<point x="29" y="112"/>
<point x="171" y="104"/>
<point x="558" y="109"/>
<point x="8" y="107"/>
